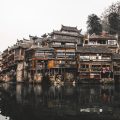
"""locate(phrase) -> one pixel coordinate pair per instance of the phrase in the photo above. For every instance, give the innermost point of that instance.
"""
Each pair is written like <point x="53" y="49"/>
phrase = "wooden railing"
<point x="95" y="59"/>
<point x="43" y="56"/>
<point x="66" y="46"/>
<point x="84" y="69"/>
<point x="66" y="65"/>
<point x="19" y="57"/>
<point x="96" y="69"/>
<point x="90" y="69"/>
<point x="116" y="72"/>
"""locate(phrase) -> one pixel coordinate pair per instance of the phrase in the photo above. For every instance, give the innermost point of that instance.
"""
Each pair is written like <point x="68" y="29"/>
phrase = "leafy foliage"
<point x="93" y="24"/>
<point x="114" y="23"/>
<point x="111" y="19"/>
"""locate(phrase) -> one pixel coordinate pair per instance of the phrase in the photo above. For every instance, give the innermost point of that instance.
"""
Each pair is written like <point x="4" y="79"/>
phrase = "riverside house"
<point x="65" y="43"/>
<point x="94" y="63"/>
<point x="37" y="60"/>
<point x="63" y="55"/>
<point x="105" y="40"/>
<point x="13" y="61"/>
<point x="116" y="66"/>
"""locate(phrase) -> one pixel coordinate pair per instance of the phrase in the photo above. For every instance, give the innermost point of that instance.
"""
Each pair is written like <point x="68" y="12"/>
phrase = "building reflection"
<point x="28" y="102"/>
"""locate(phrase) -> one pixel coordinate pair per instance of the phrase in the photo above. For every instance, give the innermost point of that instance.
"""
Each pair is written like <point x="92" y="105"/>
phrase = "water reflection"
<point x="36" y="102"/>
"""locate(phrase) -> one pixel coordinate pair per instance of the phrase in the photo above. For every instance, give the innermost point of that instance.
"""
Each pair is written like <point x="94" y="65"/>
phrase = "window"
<point x="70" y="54"/>
<point x="92" y="57"/>
<point x="102" y="42"/>
<point x="62" y="43"/>
<point x="112" y="42"/>
<point x="86" y="41"/>
<point x="106" y="57"/>
<point x="84" y="66"/>
<point x="60" y="50"/>
<point x="56" y="43"/>
<point x="60" y="54"/>
<point x="39" y="54"/>
<point x="70" y="44"/>
<point x="84" y="57"/>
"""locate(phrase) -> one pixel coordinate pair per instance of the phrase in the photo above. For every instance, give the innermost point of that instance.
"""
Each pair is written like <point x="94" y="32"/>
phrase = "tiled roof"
<point x="68" y="28"/>
<point x="34" y="47"/>
<point x="93" y="49"/>
<point x="116" y="56"/>
<point x="63" y="46"/>
<point x="64" y="40"/>
<point x="102" y="37"/>
<point x="67" y="33"/>
<point x="22" y="46"/>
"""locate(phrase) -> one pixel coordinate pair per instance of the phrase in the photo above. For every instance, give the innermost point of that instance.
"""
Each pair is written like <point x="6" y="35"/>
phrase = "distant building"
<point x="55" y="53"/>
<point x="37" y="59"/>
<point x="13" y="61"/>
<point x="116" y="66"/>
<point x="110" y="41"/>
<point x="94" y="62"/>
<point x="65" y="44"/>
<point x="62" y="55"/>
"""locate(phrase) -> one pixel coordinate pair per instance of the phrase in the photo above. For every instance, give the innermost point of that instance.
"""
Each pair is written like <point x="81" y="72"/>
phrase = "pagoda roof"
<point x="69" y="28"/>
<point x="21" y="46"/>
<point x="66" y="33"/>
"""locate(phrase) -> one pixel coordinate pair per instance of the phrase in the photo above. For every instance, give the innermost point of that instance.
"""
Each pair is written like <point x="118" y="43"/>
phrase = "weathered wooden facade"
<point x="5" y="69"/>
<point x="37" y="60"/>
<point x="62" y="55"/>
<point x="110" y="41"/>
<point x="55" y="53"/>
<point x="65" y="44"/>
<point x="13" y="61"/>
<point x="0" y="61"/>
<point x="116" y="67"/>
<point x="94" y="63"/>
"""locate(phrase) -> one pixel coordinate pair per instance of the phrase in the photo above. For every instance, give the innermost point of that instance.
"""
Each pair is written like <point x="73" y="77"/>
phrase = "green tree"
<point x="94" y="24"/>
<point x="114" y="23"/>
<point x="111" y="18"/>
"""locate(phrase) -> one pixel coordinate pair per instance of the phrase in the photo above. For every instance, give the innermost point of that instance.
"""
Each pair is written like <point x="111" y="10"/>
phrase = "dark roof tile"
<point x="68" y="28"/>
<point x="93" y="49"/>
<point x="67" y="34"/>
<point x="116" y="56"/>
<point x="64" y="40"/>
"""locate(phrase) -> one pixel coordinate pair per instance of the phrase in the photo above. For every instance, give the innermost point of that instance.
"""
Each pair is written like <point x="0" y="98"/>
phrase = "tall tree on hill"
<point x="111" y="18"/>
<point x="114" y="23"/>
<point x="93" y="24"/>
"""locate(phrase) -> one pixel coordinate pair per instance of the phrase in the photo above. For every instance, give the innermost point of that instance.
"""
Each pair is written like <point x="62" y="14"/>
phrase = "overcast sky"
<point x="19" y="18"/>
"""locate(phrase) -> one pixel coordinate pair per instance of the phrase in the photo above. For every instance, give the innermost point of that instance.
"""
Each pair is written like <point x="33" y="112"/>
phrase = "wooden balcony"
<point x="44" y="57"/>
<point x="97" y="60"/>
<point x="4" y="55"/>
<point x="116" y="72"/>
<point x="112" y="46"/>
<point x="63" y="46"/>
<point x="65" y="65"/>
<point x="83" y="70"/>
<point x="115" y="64"/>
<point x="18" y="58"/>
<point x="106" y="45"/>
<point x="95" y="69"/>
<point x="71" y="66"/>
<point x="89" y="69"/>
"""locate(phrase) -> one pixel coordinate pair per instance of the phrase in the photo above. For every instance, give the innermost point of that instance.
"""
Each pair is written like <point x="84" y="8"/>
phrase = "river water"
<point x="55" y="102"/>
